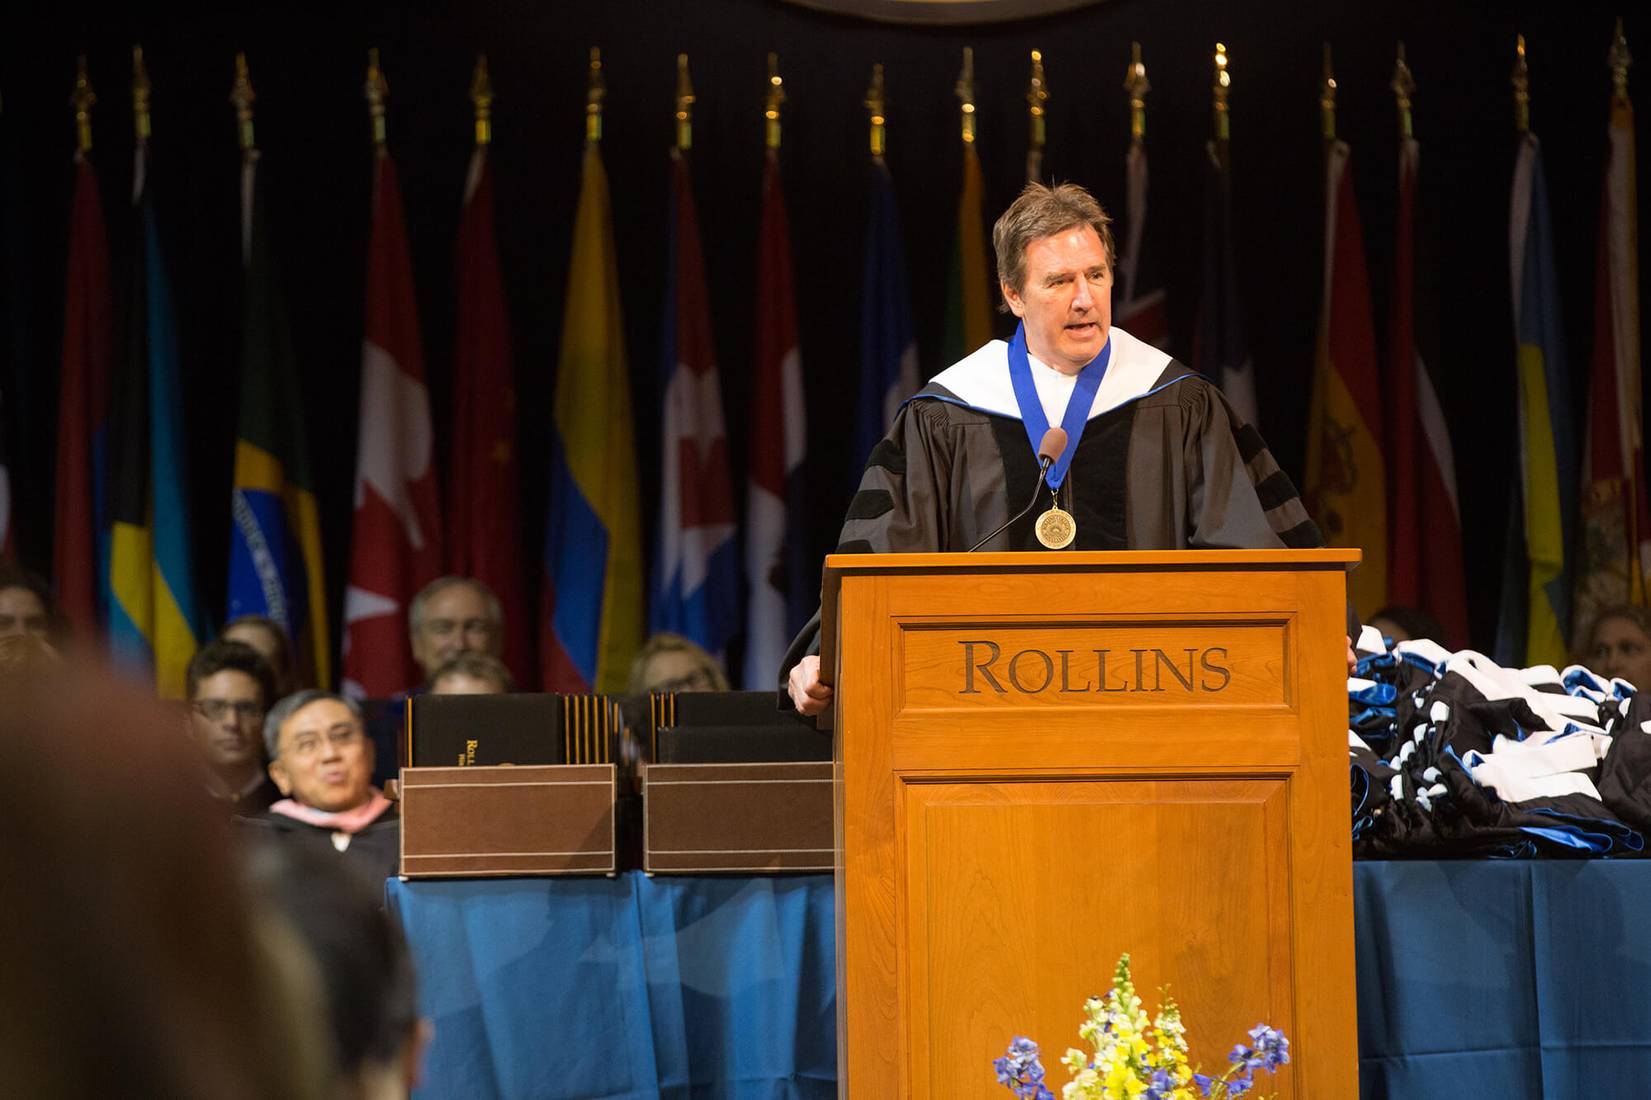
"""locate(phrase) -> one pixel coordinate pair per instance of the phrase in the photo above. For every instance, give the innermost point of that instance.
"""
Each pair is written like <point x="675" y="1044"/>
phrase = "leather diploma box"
<point x="746" y="818"/>
<point x="481" y="821"/>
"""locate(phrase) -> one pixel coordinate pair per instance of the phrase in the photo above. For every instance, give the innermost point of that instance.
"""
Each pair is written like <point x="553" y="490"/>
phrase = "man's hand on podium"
<point x="1352" y="658"/>
<point x="808" y="695"/>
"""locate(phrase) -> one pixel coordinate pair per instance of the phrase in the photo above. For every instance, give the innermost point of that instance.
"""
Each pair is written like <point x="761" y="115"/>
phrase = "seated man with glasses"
<point x="321" y="758"/>
<point x="229" y="686"/>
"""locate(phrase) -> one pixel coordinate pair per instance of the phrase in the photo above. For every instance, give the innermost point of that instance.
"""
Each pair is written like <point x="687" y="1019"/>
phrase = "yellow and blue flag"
<point x="591" y="616"/>
<point x="275" y="565"/>
<point x="1536" y="586"/>
<point x="152" y="608"/>
<point x="968" y="277"/>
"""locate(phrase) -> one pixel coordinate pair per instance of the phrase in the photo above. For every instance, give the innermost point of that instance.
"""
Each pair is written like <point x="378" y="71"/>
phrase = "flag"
<point x="275" y="565"/>
<point x="484" y="531"/>
<point x="395" y="546"/>
<point x="1220" y="350"/>
<point x="16" y="347"/>
<point x="1424" y="519"/>
<point x="1346" y="487"/>
<point x="783" y="588"/>
<point x="968" y="276"/>
<point x="592" y="603"/>
<point x="1536" y="588"/>
<point x="1140" y="312"/>
<point x="80" y="553"/>
<point x="696" y="574"/>
<point x="152" y="616"/>
<point x="1614" y="540"/>
<point x="888" y="348"/>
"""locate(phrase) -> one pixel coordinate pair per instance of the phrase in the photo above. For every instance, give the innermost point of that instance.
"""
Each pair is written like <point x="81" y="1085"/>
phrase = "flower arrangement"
<point x="1137" y="1058"/>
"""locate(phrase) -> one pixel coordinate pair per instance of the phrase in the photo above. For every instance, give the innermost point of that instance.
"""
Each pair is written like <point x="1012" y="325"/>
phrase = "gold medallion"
<point x="1056" y="529"/>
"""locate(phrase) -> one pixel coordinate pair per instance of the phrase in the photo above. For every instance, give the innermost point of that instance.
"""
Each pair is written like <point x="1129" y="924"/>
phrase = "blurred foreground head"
<point x="133" y="964"/>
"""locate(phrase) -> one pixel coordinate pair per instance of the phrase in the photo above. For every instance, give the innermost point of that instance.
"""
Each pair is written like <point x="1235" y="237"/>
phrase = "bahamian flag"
<point x="1536" y="589"/>
<point x="152" y="615"/>
<point x="592" y="606"/>
<point x="275" y="567"/>
<point x="968" y="278"/>
<point x="1346" y="490"/>
<point x="888" y="349"/>
<point x="1614" y="532"/>
<point x="696" y="576"/>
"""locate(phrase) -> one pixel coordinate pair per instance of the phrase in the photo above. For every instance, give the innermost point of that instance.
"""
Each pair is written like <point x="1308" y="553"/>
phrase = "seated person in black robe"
<point x="229" y="687"/>
<point x="322" y="759"/>
<point x="1158" y="460"/>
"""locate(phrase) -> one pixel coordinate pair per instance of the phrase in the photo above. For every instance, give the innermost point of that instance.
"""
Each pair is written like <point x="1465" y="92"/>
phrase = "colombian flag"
<point x="592" y="613"/>
<point x="968" y="304"/>
<point x="275" y="529"/>
<point x="152" y="609"/>
<point x="1346" y="483"/>
<point x="1537" y="612"/>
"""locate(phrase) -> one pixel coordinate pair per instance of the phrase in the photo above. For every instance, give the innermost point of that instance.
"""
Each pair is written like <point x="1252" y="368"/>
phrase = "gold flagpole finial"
<point x="82" y="99"/>
<point x="1619" y="60"/>
<point x="1521" y="81"/>
<point x="377" y="91"/>
<point x="242" y="96"/>
<point x="684" y="105"/>
<point x="1135" y="83"/>
<point x="1327" y="97"/>
<point x="1404" y="86"/>
<point x="772" y="101"/>
<point x="481" y="98"/>
<point x="140" y="96"/>
<point x="1037" y="94"/>
<point x="595" y="92"/>
<point x="1223" y="86"/>
<point x="876" y="103"/>
<point x="965" y="92"/>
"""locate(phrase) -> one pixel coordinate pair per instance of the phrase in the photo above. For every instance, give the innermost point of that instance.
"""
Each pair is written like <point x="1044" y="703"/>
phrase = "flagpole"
<point x="1327" y="99"/>
<point x="481" y="98"/>
<point x="1037" y="94"/>
<point x="965" y="92"/>
<point x="771" y="104"/>
<point x="140" y="98"/>
<point x="1521" y="81"/>
<point x="876" y="104"/>
<point x="684" y="105"/>
<point x="1404" y="86"/>
<point x="242" y="96"/>
<point x="594" y="94"/>
<point x="377" y="90"/>
<point x="82" y="100"/>
<point x="1619" y="62"/>
<point x="1219" y="92"/>
<point x="1135" y="83"/>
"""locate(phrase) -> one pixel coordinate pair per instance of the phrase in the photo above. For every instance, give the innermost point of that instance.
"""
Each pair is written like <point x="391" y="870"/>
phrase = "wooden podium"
<point x="1045" y="760"/>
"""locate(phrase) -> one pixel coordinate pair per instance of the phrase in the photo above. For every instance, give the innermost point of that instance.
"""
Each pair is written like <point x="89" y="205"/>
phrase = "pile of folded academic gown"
<point x="1454" y="756"/>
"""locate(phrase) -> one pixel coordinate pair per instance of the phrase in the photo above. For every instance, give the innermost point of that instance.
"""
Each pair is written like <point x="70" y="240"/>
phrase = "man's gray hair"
<point x="291" y="705"/>
<point x="415" y="613"/>
<point x="1040" y="212"/>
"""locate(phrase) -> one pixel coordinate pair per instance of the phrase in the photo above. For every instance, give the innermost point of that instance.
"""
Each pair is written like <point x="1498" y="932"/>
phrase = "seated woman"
<point x="1620" y="645"/>
<point x="671" y="663"/>
<point x="322" y="760"/>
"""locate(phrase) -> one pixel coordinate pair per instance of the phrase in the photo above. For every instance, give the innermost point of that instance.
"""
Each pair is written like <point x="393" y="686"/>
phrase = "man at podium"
<point x="1154" y="457"/>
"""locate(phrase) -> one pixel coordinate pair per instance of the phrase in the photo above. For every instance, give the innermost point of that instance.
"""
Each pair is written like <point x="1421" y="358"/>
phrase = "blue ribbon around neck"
<point x="1032" y="416"/>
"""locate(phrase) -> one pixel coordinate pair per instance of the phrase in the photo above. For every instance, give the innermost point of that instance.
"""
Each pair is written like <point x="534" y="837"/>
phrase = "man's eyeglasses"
<point x="216" y="710"/>
<point x="308" y="744"/>
<point x="442" y="628"/>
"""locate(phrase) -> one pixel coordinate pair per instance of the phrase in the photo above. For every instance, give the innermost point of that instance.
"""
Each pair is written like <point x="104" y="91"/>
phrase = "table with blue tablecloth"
<point x="1494" y="979"/>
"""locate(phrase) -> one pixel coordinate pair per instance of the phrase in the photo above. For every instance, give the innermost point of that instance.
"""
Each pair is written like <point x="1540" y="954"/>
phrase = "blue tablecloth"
<point x="1508" y="980"/>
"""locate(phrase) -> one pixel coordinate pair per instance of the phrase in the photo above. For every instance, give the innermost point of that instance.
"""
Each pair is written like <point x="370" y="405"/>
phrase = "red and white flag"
<point x="1425" y="567"/>
<point x="395" y="548"/>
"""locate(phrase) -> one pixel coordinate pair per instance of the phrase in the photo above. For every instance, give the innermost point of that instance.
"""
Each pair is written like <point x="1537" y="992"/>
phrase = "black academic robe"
<point x="1164" y="463"/>
<point x="374" y="851"/>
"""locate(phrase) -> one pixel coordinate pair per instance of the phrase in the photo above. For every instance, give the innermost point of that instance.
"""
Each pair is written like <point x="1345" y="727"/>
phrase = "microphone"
<point x="1050" y="449"/>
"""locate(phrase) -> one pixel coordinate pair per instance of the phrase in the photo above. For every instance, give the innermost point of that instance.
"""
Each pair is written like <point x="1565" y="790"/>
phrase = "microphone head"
<point x="1052" y="446"/>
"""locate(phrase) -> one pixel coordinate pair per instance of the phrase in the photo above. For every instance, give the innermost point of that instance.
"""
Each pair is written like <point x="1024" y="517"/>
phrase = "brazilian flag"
<point x="275" y="529"/>
<point x="152" y="608"/>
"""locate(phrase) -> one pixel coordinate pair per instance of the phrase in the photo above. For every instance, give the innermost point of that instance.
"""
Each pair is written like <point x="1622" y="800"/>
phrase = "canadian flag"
<point x="395" y="548"/>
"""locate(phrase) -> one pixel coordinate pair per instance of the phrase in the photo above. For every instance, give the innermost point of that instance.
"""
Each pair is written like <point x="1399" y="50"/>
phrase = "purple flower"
<point x="1272" y="1049"/>
<point x="1204" y="1083"/>
<point x="1021" y="1072"/>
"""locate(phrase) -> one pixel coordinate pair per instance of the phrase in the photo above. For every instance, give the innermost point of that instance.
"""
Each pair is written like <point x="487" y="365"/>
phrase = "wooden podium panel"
<point x="1046" y="760"/>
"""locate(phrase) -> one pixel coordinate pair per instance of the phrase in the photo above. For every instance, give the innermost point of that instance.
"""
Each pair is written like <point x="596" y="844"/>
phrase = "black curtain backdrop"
<point x="308" y="65"/>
